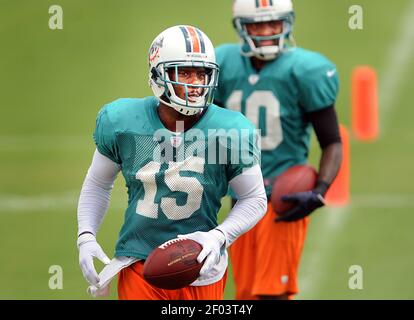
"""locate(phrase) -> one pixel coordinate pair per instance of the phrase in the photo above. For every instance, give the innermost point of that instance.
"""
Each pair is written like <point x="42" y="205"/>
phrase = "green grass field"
<point x="53" y="82"/>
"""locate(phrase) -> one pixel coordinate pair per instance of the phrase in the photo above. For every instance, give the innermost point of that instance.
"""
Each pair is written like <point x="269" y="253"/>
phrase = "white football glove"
<point x="211" y="241"/>
<point x="88" y="249"/>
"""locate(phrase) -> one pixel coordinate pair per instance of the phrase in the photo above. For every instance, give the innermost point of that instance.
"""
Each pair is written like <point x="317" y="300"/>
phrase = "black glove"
<point x="306" y="203"/>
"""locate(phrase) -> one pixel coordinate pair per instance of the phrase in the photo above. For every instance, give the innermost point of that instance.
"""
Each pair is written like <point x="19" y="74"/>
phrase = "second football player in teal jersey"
<point x="284" y="91"/>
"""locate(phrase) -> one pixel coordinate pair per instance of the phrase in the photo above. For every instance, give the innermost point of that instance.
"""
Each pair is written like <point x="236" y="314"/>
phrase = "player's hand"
<point x="88" y="249"/>
<point x="306" y="203"/>
<point x="211" y="241"/>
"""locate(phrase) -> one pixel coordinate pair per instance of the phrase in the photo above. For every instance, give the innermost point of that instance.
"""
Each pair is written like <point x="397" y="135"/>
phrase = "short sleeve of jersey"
<point x="318" y="82"/>
<point x="104" y="136"/>
<point x="244" y="152"/>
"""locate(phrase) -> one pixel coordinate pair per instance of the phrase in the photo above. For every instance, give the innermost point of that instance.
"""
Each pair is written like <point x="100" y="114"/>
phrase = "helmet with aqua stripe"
<point x="183" y="48"/>
<point x="256" y="12"/>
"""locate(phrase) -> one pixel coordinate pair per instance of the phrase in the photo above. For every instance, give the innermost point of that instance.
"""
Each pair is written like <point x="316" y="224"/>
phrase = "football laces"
<point x="169" y="242"/>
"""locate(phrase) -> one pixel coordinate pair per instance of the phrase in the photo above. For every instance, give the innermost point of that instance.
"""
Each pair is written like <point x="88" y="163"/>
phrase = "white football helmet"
<point x="253" y="11"/>
<point x="177" y="47"/>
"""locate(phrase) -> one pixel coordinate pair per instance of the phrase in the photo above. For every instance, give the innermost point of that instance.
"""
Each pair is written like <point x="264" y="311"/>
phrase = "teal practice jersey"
<point x="175" y="181"/>
<point x="276" y="100"/>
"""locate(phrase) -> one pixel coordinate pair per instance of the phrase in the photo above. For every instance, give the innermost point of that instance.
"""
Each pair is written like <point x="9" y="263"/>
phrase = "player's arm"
<point x="92" y="206"/>
<point x="325" y="124"/>
<point x="250" y="207"/>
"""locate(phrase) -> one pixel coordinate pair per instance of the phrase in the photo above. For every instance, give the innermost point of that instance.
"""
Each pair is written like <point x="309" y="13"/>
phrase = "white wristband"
<point x="86" y="237"/>
<point x="219" y="235"/>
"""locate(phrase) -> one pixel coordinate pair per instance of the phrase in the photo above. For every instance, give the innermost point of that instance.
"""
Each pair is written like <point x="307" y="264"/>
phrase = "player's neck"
<point x="258" y="64"/>
<point x="170" y="118"/>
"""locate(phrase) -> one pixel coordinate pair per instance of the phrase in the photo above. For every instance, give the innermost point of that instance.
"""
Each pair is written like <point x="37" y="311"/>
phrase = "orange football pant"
<point x="132" y="286"/>
<point x="265" y="260"/>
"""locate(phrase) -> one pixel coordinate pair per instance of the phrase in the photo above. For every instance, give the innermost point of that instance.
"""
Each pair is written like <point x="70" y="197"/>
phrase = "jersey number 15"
<point x="175" y="182"/>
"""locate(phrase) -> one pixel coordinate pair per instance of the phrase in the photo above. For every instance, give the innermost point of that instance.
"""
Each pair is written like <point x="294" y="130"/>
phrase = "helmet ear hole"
<point x="154" y="74"/>
<point x="233" y="21"/>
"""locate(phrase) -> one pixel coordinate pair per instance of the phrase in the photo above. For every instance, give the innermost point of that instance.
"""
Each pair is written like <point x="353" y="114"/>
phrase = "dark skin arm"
<point x="325" y="124"/>
<point x="326" y="127"/>
<point x="329" y="165"/>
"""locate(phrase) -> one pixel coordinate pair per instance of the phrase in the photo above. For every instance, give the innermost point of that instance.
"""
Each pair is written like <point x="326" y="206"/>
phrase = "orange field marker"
<point x="338" y="193"/>
<point x="365" y="122"/>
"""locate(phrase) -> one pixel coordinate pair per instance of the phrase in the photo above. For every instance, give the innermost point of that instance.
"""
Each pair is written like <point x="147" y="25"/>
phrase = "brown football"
<point x="298" y="178"/>
<point x="173" y="265"/>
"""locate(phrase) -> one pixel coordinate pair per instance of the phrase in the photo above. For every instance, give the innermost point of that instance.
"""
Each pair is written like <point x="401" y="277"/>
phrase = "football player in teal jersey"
<point x="285" y="91"/>
<point x="178" y="154"/>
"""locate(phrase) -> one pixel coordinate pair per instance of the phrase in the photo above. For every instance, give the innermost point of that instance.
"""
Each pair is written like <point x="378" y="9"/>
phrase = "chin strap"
<point x="291" y="43"/>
